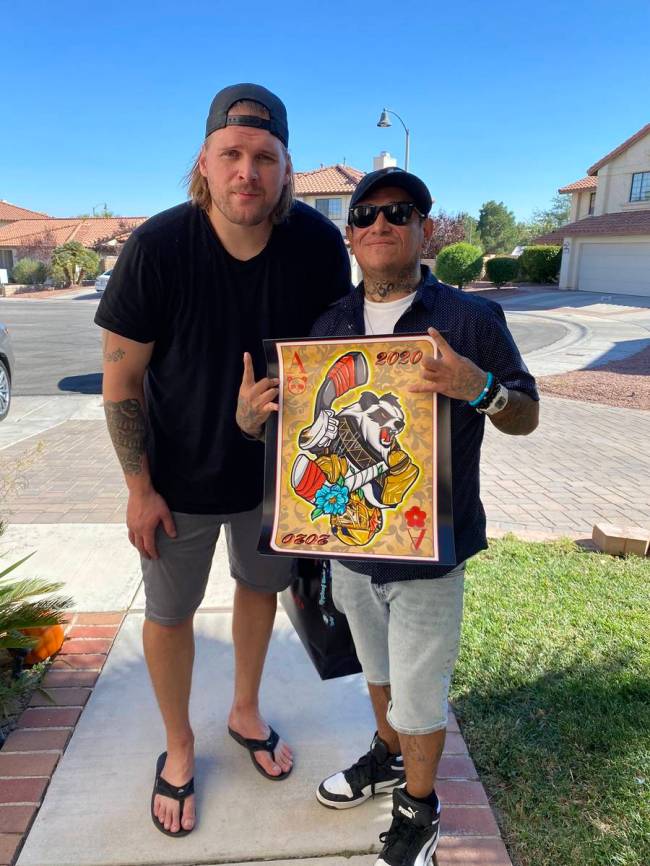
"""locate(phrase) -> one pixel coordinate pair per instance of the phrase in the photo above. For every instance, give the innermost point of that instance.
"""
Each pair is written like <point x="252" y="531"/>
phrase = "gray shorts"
<point x="407" y="635"/>
<point x="175" y="583"/>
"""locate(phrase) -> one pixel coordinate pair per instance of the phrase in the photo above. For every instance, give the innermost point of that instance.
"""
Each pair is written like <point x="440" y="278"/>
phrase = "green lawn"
<point x="552" y="692"/>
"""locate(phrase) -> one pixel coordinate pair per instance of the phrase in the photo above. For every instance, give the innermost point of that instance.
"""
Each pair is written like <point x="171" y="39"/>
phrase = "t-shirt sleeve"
<point x="132" y="303"/>
<point x="499" y="354"/>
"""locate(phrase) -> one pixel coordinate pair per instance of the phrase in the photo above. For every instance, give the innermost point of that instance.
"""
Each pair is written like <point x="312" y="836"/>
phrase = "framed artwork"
<point x="357" y="466"/>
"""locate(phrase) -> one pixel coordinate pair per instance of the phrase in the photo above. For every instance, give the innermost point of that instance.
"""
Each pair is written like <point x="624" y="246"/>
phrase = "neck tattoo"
<point x="403" y="283"/>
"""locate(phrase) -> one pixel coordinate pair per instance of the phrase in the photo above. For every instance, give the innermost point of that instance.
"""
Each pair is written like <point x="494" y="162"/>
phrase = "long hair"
<point x="197" y="185"/>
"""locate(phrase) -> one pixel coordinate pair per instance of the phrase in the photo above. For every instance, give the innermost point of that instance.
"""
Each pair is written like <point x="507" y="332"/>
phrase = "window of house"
<point x="592" y="202"/>
<point x="6" y="259"/>
<point x="640" y="186"/>
<point x="330" y="207"/>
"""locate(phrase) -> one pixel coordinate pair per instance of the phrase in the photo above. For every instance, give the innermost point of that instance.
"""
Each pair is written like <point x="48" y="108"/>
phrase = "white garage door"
<point x="615" y="268"/>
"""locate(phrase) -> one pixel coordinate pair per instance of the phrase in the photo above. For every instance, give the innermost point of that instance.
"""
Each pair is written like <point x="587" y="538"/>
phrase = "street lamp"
<point x="384" y="121"/>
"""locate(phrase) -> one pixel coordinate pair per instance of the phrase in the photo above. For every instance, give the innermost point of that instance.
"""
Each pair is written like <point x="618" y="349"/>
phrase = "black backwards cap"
<point x="226" y="98"/>
<point x="393" y="176"/>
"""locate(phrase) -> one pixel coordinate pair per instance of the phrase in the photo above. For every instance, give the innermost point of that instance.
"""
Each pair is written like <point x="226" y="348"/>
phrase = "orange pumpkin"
<point x="50" y="641"/>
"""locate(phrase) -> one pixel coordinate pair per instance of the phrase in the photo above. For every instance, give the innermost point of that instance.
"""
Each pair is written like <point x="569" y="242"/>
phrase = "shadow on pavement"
<point x="88" y="383"/>
<point x="618" y="357"/>
<point x="93" y="295"/>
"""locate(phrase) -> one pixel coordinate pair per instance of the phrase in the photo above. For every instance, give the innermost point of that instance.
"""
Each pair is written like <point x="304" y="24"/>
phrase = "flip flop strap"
<point x="267" y="745"/>
<point x="176" y="792"/>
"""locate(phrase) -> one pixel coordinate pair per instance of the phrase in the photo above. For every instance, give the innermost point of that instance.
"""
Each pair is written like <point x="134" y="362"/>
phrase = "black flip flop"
<point x="267" y="745"/>
<point x="166" y="789"/>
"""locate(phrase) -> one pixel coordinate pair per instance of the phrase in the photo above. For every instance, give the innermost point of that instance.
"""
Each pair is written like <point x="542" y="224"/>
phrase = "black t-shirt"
<point x="174" y="284"/>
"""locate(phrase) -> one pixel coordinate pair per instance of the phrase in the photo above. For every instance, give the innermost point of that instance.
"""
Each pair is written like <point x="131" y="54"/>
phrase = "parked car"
<point x="102" y="280"/>
<point x="6" y="371"/>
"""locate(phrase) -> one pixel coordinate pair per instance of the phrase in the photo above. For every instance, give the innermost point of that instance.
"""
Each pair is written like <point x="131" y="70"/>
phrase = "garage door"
<point x="615" y="268"/>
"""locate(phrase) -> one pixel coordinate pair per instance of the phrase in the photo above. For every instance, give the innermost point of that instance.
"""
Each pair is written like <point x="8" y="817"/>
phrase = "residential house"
<point x="606" y="245"/>
<point x="38" y="236"/>
<point x="10" y="213"/>
<point x="329" y="190"/>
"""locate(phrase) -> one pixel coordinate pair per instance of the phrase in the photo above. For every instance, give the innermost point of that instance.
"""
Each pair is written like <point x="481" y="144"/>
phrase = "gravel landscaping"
<point x="624" y="383"/>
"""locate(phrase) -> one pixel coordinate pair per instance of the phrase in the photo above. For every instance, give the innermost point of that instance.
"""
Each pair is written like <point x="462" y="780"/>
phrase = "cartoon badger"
<point x="359" y="467"/>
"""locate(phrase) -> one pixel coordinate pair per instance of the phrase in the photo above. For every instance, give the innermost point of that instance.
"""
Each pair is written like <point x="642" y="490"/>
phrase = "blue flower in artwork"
<point x="332" y="498"/>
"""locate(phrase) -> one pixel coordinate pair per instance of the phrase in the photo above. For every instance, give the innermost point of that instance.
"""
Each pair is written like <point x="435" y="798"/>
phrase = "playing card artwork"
<point x="353" y="462"/>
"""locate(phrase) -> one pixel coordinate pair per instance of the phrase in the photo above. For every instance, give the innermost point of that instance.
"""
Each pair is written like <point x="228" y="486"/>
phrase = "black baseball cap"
<point x="226" y="98"/>
<point x="393" y="176"/>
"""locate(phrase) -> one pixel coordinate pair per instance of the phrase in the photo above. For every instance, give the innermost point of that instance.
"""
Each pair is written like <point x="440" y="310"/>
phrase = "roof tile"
<point x="10" y="211"/>
<point x="623" y="223"/>
<point x="55" y="231"/>
<point x="337" y="178"/>
<point x="584" y="183"/>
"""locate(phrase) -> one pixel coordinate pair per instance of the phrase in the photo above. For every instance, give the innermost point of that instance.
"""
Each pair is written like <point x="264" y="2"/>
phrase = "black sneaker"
<point x="374" y="772"/>
<point x="413" y="835"/>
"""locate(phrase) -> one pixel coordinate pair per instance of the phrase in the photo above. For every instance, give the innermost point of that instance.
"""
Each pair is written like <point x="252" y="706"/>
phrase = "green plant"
<point x="29" y="272"/>
<point x="72" y="262"/>
<point x="497" y="227"/>
<point x="501" y="270"/>
<point x="27" y="603"/>
<point x="459" y="264"/>
<point x="541" y="264"/>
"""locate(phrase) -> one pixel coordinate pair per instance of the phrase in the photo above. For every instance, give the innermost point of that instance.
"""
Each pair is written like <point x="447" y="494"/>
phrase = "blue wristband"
<point x="488" y="385"/>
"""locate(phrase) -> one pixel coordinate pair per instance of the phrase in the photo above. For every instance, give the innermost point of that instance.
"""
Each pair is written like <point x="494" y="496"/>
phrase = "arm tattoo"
<point x="117" y="355"/>
<point x="127" y="428"/>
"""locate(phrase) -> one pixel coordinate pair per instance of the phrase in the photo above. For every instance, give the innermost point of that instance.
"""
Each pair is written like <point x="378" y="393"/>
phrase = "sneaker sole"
<point x="380" y="788"/>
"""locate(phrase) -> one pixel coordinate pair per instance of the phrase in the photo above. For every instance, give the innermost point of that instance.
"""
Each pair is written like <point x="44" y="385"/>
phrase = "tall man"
<point x="406" y="620"/>
<point x="195" y="288"/>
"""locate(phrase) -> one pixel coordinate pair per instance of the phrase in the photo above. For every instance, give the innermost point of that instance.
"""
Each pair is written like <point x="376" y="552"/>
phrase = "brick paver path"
<point x="585" y="463"/>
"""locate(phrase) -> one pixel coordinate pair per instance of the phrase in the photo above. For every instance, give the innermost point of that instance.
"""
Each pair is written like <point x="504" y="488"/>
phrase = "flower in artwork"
<point x="332" y="498"/>
<point x="415" y="517"/>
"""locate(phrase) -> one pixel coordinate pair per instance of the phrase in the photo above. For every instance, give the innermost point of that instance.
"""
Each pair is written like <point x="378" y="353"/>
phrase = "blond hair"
<point x="197" y="185"/>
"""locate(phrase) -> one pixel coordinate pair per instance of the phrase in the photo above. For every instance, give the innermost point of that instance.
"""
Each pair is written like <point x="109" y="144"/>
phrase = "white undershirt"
<point x="381" y="318"/>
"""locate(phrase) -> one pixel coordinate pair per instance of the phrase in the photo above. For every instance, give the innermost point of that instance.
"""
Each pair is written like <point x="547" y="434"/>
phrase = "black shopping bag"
<point x="323" y="630"/>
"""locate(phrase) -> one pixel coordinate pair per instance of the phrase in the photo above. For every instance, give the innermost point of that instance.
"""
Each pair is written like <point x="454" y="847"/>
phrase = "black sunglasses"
<point x="397" y="214"/>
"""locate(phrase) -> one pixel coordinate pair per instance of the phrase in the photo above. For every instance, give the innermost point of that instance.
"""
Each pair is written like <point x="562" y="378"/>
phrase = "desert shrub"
<point x="72" y="263"/>
<point x="29" y="272"/>
<point x="459" y="264"/>
<point x="501" y="270"/>
<point x="541" y="264"/>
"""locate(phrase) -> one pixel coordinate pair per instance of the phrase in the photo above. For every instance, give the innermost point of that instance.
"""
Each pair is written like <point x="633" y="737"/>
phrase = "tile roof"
<point x="337" y="178"/>
<point x="10" y="211"/>
<point x="626" y="223"/>
<point x="618" y="150"/>
<point x="89" y="231"/>
<point x="584" y="183"/>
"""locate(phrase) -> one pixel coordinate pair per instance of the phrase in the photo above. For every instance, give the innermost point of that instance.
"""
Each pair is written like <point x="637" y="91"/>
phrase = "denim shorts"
<point x="407" y="635"/>
<point x="175" y="583"/>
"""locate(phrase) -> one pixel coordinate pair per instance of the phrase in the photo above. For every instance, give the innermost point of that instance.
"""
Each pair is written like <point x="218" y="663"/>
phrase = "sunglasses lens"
<point x="399" y="213"/>
<point x="364" y="215"/>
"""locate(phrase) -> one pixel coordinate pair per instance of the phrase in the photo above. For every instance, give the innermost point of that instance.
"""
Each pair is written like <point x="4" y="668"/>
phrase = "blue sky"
<point x="107" y="102"/>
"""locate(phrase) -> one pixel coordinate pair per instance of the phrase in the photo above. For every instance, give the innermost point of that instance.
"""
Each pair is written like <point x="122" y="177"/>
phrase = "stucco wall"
<point x="615" y="179"/>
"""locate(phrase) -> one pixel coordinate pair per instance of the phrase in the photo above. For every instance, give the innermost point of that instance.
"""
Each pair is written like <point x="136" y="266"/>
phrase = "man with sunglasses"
<point x="405" y="619"/>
